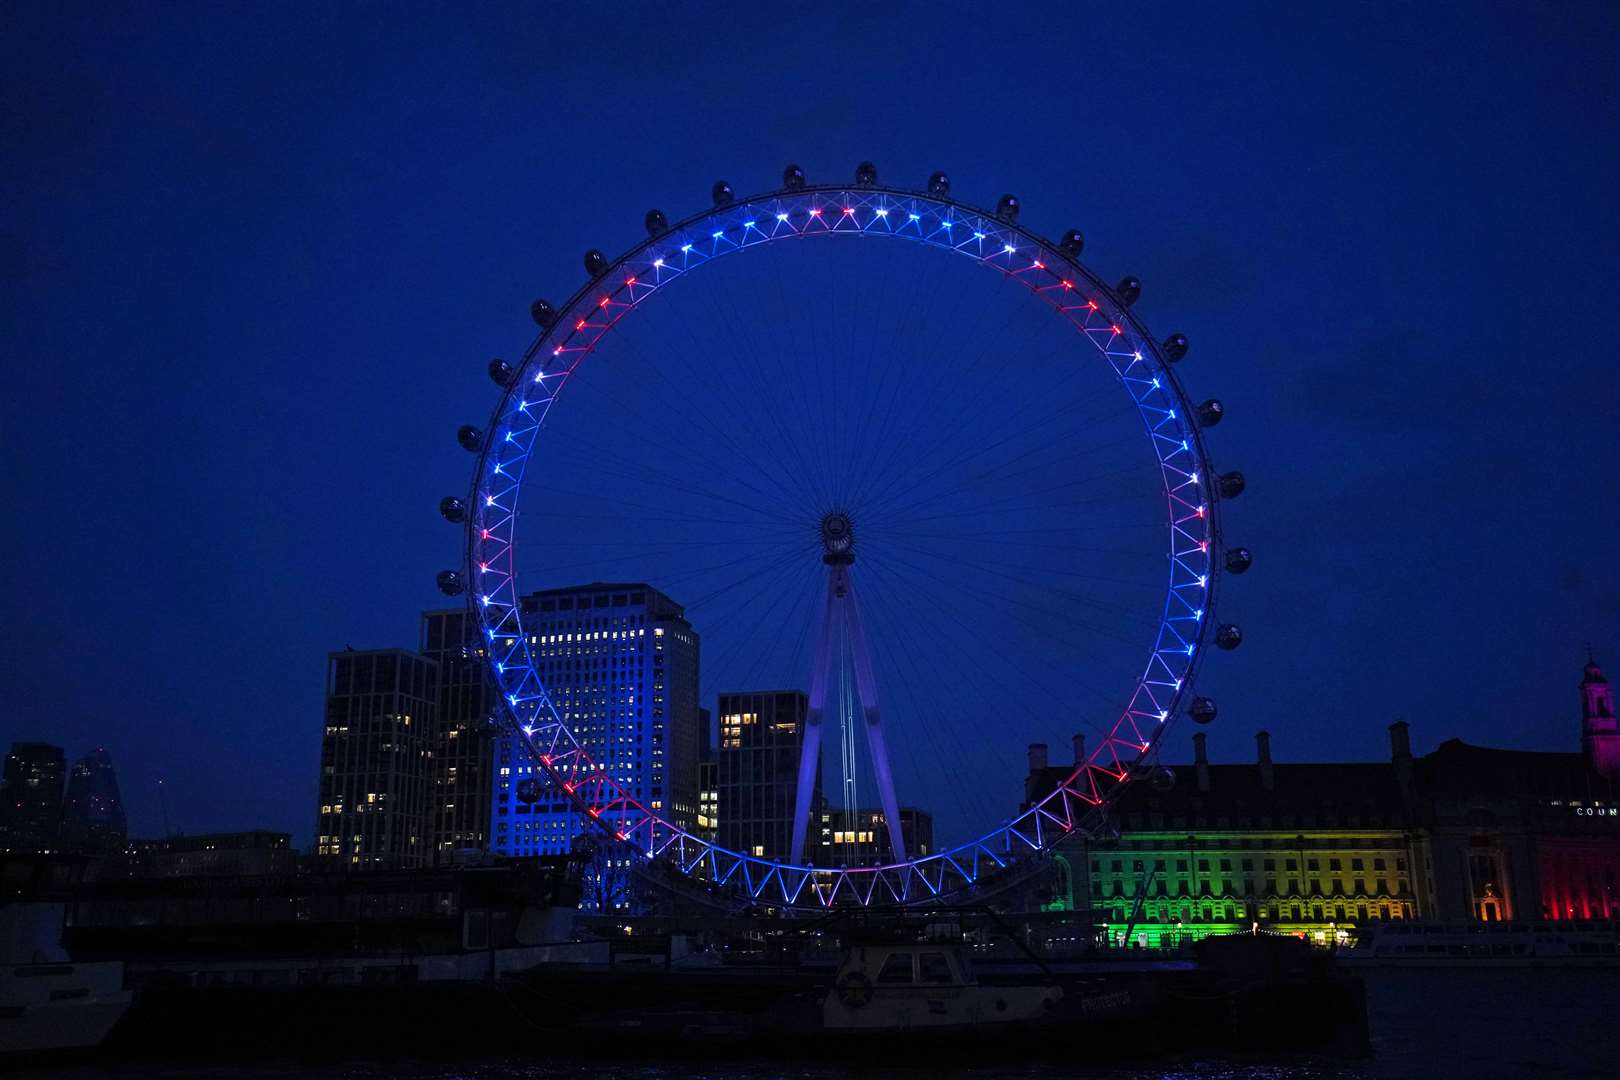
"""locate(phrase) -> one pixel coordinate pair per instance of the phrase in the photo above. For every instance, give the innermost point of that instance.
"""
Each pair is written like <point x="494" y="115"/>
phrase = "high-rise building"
<point x="31" y="797"/>
<point x="708" y="815"/>
<point x="864" y="840"/>
<point x="620" y="663"/>
<point x="463" y="750"/>
<point x="761" y="734"/>
<point x="93" y="815"/>
<point x="376" y="760"/>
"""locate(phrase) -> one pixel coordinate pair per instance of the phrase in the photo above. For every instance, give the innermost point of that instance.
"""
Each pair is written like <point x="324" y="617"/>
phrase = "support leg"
<point x="867" y="685"/>
<point x="810" y="748"/>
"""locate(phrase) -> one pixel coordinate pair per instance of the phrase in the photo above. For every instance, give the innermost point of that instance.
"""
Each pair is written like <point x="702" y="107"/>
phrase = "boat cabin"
<point x="927" y="984"/>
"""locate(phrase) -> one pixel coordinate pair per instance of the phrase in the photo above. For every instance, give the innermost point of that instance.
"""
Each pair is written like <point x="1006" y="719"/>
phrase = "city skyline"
<point x="1600" y="741"/>
<point x="777" y="540"/>
<point x="1323" y="215"/>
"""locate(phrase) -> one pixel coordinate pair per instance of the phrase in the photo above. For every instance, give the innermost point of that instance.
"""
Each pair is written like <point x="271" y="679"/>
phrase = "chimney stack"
<point x="1400" y="741"/>
<point x="1079" y="744"/>
<point x="1268" y="777"/>
<point x="1201" y="759"/>
<point x="1400" y="755"/>
<point x="1037" y="756"/>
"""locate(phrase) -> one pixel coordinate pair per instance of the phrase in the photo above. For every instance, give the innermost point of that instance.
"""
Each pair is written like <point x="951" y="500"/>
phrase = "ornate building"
<point x="1464" y="832"/>
<point x="1519" y="834"/>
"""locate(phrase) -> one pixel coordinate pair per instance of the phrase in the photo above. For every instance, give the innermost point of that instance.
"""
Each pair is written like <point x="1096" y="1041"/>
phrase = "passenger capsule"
<point x="596" y="263"/>
<point x="453" y="509"/>
<point x="1202" y="710"/>
<point x="500" y="372"/>
<point x="939" y="184"/>
<point x="543" y="314"/>
<point x="1163" y="779"/>
<point x="1072" y="244"/>
<point x="529" y="790"/>
<point x="657" y="224"/>
<point x="1228" y="636"/>
<point x="1231" y="484"/>
<point x="450" y="583"/>
<point x="793" y="178"/>
<point x="1129" y="290"/>
<point x="722" y="194"/>
<point x="1210" y="413"/>
<point x="865" y="174"/>
<point x="1007" y="208"/>
<point x="1238" y="560"/>
<point x="470" y="438"/>
<point x="1175" y="347"/>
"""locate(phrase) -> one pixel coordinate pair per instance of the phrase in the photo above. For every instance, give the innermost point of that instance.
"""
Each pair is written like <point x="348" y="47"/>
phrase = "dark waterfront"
<point x="1502" y="1022"/>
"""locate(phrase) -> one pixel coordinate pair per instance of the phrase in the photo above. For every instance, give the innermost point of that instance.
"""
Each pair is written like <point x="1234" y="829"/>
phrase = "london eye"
<point x="950" y="491"/>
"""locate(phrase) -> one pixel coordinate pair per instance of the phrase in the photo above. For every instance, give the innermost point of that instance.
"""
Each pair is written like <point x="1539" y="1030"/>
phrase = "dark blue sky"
<point x="254" y="262"/>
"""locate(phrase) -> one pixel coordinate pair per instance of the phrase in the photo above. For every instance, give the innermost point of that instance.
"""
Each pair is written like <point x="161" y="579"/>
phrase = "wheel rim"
<point x="1073" y="294"/>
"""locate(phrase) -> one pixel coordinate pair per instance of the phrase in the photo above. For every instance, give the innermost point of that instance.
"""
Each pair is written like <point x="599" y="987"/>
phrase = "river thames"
<point x="1433" y="1024"/>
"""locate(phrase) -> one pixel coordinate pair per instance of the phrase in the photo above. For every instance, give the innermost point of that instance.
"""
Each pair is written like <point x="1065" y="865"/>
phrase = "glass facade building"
<point x="376" y="761"/>
<point x="463" y="747"/>
<point x="761" y="733"/>
<point x="93" y="815"/>
<point x="620" y="662"/>
<point x="864" y="839"/>
<point x="1464" y="834"/>
<point x="31" y="797"/>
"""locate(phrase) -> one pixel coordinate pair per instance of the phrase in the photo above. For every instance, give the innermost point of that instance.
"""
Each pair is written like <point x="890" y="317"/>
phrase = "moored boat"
<point x="47" y="1002"/>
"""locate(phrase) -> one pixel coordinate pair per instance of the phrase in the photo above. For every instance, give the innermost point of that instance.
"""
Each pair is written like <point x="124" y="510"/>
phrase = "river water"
<point x="1427" y="1025"/>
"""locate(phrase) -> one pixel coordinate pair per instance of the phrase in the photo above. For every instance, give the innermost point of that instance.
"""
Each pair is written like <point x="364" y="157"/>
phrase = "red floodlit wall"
<point x="1580" y="879"/>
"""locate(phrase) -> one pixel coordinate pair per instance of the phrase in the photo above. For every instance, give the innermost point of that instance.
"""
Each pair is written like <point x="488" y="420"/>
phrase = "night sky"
<point x="255" y="261"/>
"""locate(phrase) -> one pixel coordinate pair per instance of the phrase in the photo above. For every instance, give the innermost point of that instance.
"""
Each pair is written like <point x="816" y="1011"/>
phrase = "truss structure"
<point x="1071" y="293"/>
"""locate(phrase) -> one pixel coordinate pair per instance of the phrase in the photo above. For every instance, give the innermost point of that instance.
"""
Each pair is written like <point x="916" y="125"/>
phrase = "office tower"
<point x="31" y="797"/>
<point x="93" y="815"/>
<point x="761" y="733"/>
<point x="376" y="760"/>
<point x="864" y="840"/>
<point x="620" y="663"/>
<point x="708" y="815"/>
<point x="463" y="749"/>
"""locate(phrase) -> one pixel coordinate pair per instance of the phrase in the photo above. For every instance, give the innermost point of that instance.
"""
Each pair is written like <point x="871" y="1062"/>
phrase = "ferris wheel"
<point x="948" y="490"/>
